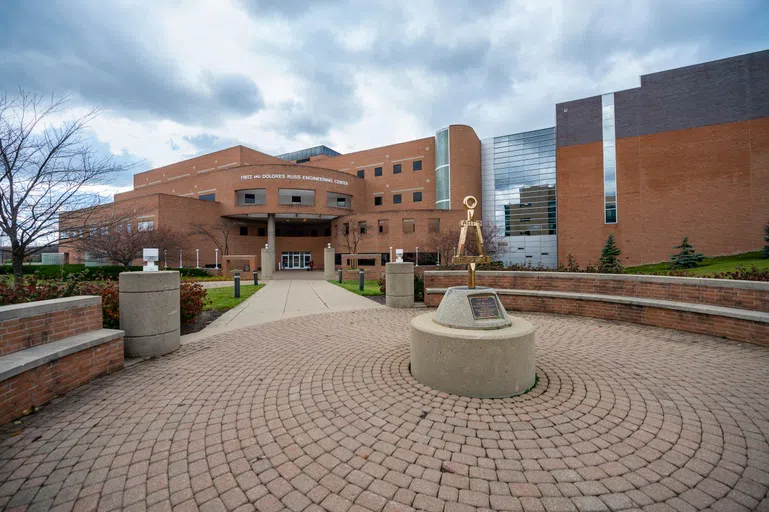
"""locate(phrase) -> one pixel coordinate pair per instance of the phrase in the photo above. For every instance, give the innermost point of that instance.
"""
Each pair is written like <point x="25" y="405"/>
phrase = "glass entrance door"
<point x="296" y="260"/>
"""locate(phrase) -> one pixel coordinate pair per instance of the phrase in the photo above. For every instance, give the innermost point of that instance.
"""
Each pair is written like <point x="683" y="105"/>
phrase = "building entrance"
<point x="295" y="260"/>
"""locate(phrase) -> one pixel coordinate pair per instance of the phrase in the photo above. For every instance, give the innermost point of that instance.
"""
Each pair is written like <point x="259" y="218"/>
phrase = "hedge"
<point x="191" y="296"/>
<point x="106" y="272"/>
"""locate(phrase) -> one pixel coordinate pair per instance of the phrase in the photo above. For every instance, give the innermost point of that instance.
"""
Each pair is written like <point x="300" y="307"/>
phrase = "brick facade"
<point x="745" y="295"/>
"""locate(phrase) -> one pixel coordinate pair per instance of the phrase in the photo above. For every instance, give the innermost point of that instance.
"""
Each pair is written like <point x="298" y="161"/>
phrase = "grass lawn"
<point x="223" y="299"/>
<point x="370" y="287"/>
<point x="709" y="265"/>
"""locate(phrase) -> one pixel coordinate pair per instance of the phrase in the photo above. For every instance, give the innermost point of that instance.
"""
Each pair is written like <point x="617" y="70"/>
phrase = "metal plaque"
<point x="484" y="307"/>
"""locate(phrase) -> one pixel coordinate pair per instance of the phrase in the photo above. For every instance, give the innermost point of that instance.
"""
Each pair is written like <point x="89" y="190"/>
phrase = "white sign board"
<point x="150" y="256"/>
<point x="399" y="255"/>
<point x="302" y="177"/>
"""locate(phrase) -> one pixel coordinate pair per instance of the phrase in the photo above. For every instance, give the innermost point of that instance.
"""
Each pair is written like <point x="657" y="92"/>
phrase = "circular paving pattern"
<point x="321" y="413"/>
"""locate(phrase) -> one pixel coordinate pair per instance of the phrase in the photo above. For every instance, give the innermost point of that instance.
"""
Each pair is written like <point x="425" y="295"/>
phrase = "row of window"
<point x="291" y="231"/>
<point x="383" y="226"/>
<point x="416" y="165"/>
<point x="416" y="197"/>
<point x="142" y="225"/>
<point x="289" y="196"/>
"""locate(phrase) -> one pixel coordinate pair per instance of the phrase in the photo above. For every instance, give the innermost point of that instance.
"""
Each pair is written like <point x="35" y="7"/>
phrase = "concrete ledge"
<point x="703" y="309"/>
<point x="42" y="307"/>
<point x="640" y="278"/>
<point x="28" y="359"/>
<point x="143" y="282"/>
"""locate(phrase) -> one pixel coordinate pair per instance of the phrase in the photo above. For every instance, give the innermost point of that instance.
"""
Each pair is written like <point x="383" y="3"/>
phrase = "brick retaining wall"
<point x="50" y="347"/>
<point x="716" y="292"/>
<point x="57" y="319"/>
<point x="745" y="295"/>
<point x="42" y="384"/>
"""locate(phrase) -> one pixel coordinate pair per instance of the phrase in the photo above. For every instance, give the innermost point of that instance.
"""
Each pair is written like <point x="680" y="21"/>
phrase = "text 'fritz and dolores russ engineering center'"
<point x="684" y="154"/>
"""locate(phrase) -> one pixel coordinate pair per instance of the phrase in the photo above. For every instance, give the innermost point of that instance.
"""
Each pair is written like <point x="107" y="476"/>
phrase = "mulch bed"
<point x="202" y="321"/>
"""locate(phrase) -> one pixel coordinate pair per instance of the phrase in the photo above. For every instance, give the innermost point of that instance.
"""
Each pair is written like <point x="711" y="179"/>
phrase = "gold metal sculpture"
<point x="460" y="258"/>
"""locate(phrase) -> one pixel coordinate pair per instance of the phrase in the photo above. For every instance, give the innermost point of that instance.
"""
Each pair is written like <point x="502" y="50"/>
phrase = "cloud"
<point x="279" y="75"/>
<point x="112" y="56"/>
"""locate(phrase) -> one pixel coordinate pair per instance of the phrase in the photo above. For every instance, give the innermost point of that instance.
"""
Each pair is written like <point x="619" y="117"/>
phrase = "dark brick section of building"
<point x="718" y="92"/>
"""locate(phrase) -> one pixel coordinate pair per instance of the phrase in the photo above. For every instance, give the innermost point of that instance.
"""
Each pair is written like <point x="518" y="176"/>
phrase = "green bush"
<point x="609" y="262"/>
<point x="687" y="257"/>
<point x="45" y="272"/>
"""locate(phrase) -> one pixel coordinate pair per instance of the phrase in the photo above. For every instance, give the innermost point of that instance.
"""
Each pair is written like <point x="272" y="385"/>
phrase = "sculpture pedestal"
<point x="490" y="356"/>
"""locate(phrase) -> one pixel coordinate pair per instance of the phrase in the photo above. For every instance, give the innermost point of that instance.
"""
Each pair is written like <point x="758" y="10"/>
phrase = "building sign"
<point x="292" y="177"/>
<point x="150" y="256"/>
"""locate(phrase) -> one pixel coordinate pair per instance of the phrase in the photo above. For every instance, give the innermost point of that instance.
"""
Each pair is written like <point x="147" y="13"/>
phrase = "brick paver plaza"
<point x="321" y="413"/>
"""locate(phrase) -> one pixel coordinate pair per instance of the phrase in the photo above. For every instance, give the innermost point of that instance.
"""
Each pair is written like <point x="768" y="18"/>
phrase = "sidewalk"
<point x="284" y="299"/>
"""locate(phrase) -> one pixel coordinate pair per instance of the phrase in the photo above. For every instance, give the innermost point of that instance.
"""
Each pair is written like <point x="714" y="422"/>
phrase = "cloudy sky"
<point x="176" y="78"/>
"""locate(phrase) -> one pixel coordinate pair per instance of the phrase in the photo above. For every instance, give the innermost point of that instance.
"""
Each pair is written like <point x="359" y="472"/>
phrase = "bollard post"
<point x="256" y="279"/>
<point x="237" y="285"/>
<point x="340" y="275"/>
<point x="362" y="279"/>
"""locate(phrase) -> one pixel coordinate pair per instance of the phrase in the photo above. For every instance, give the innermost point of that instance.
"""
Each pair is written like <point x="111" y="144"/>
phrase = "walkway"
<point x="320" y="413"/>
<point x="281" y="299"/>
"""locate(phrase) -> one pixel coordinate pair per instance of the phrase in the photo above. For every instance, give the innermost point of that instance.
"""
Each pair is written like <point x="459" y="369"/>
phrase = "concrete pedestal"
<point x="268" y="263"/>
<point x="329" y="263"/>
<point x="399" y="285"/>
<point x="477" y="363"/>
<point x="149" y="312"/>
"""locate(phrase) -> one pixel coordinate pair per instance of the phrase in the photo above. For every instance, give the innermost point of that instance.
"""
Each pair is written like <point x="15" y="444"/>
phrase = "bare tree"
<point x="352" y="233"/>
<point x="218" y="232"/>
<point x="46" y="168"/>
<point x="445" y="242"/>
<point x="123" y="246"/>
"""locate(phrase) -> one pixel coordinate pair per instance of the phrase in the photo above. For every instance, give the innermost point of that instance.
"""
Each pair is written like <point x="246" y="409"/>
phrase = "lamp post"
<point x="391" y="254"/>
<point x="197" y="258"/>
<point x="417" y="261"/>
<point x="165" y="256"/>
<point x="216" y="264"/>
<point x="180" y="258"/>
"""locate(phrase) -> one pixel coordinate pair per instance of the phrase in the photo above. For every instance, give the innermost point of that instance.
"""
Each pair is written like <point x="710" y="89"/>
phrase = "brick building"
<point x="684" y="154"/>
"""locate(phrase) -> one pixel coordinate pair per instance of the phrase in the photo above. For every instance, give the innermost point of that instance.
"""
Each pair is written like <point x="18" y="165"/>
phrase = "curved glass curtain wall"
<point x="442" y="171"/>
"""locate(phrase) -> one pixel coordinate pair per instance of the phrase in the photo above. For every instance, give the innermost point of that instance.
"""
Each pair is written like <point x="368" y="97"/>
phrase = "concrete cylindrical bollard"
<point x="149" y="312"/>
<point x="399" y="285"/>
<point x="268" y="263"/>
<point x="329" y="263"/>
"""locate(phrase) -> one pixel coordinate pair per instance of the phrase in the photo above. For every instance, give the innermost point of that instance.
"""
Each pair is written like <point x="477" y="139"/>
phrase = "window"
<point x="383" y="226"/>
<point x="417" y="197"/>
<point x="327" y="232"/>
<point x="145" y="225"/>
<point x="396" y="199"/>
<point x="128" y="228"/>
<point x="396" y="168"/>
<point x="442" y="171"/>
<point x="361" y="173"/>
<point x="363" y="227"/>
<point x="433" y="225"/>
<point x="346" y="228"/>
<point x="417" y="165"/>
<point x="302" y="160"/>
<point x="377" y="171"/>
<point x="609" y="159"/>
<point x="261" y="231"/>
<point x="336" y="200"/>
<point x="207" y="197"/>
<point x="409" y="226"/>
<point x="298" y="197"/>
<point x="243" y="230"/>
<point x="377" y="200"/>
<point x="119" y="228"/>
<point x="251" y="196"/>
